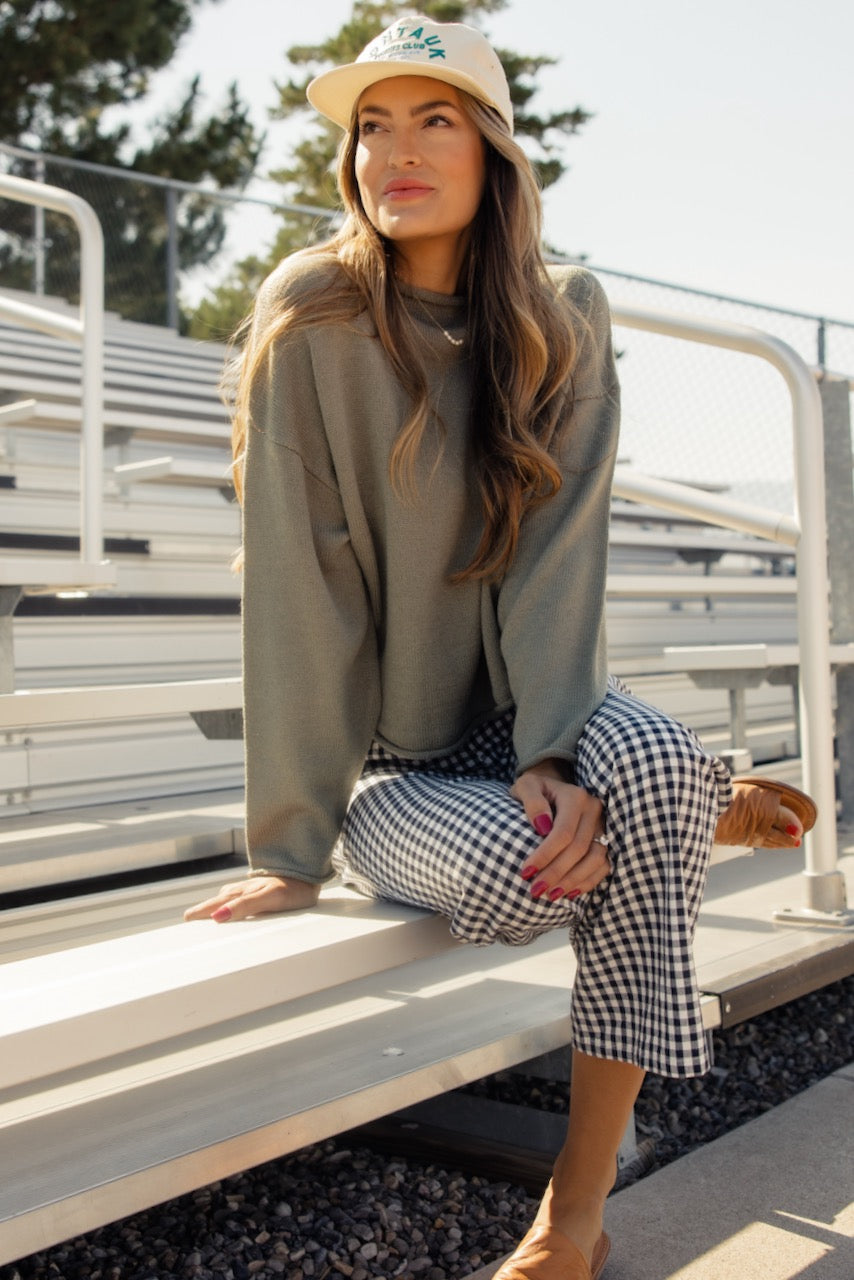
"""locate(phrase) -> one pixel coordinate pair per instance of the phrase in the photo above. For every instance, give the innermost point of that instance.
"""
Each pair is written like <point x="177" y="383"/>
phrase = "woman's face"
<point x="420" y="166"/>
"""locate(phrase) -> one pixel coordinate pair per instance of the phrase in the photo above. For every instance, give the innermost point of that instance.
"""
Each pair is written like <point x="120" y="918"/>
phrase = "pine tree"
<point x="63" y="66"/>
<point x="308" y="178"/>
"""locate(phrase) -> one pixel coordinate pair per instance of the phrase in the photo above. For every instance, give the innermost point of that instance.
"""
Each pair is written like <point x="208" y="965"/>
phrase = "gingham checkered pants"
<point x="445" y="833"/>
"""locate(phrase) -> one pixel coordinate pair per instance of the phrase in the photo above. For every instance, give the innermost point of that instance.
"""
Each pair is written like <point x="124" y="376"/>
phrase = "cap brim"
<point x="335" y="93"/>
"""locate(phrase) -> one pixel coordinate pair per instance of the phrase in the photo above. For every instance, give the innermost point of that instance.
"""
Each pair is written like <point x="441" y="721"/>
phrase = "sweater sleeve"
<point x="551" y="603"/>
<point x="311" y="683"/>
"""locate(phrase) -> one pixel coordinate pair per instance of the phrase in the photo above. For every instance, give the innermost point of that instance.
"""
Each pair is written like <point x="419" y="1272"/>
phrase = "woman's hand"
<point x="256" y="896"/>
<point x="573" y="857"/>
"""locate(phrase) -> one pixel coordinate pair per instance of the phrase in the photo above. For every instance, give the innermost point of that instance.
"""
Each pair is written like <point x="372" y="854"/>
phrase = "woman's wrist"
<point x="552" y="767"/>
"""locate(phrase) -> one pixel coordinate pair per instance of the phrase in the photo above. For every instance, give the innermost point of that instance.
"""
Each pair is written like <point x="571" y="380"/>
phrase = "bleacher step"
<point x="43" y="572"/>
<point x="28" y="708"/>
<point x="64" y="923"/>
<point x="113" y="997"/>
<point x="69" y="845"/>
<point x="210" y="1103"/>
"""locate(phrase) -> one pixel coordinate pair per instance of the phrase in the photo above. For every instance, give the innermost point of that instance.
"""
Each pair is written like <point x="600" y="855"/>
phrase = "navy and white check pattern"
<point x="446" y="834"/>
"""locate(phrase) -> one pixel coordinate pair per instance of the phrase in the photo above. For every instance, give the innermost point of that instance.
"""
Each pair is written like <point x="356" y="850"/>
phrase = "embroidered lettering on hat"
<point x="403" y="42"/>
<point x="416" y="45"/>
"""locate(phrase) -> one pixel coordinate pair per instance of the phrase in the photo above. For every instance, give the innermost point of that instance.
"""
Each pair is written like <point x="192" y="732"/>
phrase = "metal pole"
<point x="39" y="235"/>
<point x="172" y="258"/>
<point x="92" y="383"/>
<point x="839" y="465"/>
<point x="825" y="884"/>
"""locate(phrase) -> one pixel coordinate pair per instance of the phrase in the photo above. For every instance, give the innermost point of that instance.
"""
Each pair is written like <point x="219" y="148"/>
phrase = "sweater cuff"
<point x="282" y="874"/>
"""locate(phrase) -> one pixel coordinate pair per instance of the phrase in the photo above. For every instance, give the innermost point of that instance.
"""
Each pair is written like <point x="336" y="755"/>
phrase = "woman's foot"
<point x="765" y="814"/>
<point x="578" y="1219"/>
<point x="566" y="1241"/>
<point x="545" y="1253"/>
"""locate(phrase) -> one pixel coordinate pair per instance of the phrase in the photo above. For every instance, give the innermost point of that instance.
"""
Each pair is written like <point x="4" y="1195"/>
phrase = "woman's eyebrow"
<point x="421" y="109"/>
<point x="431" y="106"/>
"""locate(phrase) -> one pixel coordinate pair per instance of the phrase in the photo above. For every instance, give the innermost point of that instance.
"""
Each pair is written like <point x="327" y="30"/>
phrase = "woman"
<point x="425" y="434"/>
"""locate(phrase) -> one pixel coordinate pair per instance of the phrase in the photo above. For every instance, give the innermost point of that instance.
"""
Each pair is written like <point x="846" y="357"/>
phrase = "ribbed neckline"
<point x="447" y="310"/>
<point x="457" y="300"/>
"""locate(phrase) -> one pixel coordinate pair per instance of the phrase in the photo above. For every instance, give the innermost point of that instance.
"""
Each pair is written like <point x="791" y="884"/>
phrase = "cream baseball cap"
<point x="416" y="46"/>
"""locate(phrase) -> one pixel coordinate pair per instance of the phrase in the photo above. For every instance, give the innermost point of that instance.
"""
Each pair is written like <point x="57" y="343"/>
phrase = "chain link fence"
<point x="692" y="413"/>
<point x="706" y="415"/>
<point x="161" y="236"/>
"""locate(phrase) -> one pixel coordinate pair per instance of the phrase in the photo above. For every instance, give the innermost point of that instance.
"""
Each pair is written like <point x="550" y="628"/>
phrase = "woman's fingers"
<point x="568" y="876"/>
<point x="261" y="895"/>
<point x="576" y="820"/>
<point x="203" y="910"/>
<point x="535" y="791"/>
<point x="585" y="875"/>
<point x="573" y="855"/>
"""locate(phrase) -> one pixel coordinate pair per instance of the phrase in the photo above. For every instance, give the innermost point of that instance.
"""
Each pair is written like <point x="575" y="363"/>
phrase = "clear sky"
<point x="720" y="153"/>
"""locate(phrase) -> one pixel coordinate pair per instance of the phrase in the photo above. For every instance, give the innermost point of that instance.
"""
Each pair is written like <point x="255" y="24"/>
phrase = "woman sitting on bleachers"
<point x="425" y="437"/>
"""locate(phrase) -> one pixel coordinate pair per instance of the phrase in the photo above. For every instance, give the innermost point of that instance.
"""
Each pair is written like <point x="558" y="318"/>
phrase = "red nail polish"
<point x="555" y="894"/>
<point x="539" y="889"/>
<point x="573" y="894"/>
<point x="792" y="830"/>
<point x="528" y="873"/>
<point x="542" y="824"/>
<point x="222" y="914"/>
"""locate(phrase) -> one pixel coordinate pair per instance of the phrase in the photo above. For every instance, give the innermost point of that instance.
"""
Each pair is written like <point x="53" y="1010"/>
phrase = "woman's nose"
<point x="403" y="149"/>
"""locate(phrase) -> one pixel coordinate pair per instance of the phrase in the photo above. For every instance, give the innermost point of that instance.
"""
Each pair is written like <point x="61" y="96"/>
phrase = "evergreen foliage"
<point x="64" y="66"/>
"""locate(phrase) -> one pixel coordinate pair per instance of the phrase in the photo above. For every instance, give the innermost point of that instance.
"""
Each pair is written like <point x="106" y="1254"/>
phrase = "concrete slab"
<point x="772" y="1200"/>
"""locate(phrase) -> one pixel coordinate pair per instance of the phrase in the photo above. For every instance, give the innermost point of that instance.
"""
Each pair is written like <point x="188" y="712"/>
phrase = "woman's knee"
<point x="629" y="744"/>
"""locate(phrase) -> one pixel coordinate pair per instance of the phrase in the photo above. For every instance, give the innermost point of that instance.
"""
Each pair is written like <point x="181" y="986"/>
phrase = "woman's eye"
<point x="368" y="126"/>
<point x="433" y="120"/>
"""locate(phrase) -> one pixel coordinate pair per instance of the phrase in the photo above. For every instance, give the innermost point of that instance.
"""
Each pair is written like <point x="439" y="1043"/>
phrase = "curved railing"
<point x="87" y="330"/>
<point x="825" y="886"/>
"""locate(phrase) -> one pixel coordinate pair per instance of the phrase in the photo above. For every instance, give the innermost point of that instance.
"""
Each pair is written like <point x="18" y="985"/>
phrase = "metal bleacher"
<point x="120" y="755"/>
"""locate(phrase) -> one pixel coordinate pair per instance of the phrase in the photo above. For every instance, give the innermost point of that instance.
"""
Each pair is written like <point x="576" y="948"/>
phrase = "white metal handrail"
<point x="88" y="330"/>
<point x="825" y="885"/>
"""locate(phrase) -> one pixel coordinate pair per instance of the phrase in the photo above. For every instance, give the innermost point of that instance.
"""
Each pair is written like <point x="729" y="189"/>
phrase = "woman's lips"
<point x="400" y="188"/>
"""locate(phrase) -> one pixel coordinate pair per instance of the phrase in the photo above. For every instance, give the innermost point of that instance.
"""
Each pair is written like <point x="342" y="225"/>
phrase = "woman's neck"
<point x="430" y="265"/>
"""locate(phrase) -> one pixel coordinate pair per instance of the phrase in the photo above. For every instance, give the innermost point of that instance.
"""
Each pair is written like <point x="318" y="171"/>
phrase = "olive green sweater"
<point x="352" y="630"/>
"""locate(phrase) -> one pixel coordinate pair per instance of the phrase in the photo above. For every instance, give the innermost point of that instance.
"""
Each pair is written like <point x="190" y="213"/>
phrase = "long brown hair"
<point x="523" y="343"/>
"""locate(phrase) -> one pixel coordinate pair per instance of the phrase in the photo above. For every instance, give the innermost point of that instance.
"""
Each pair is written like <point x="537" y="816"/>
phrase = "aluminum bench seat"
<point x="27" y="708"/>
<point x="46" y="851"/>
<point x="201" y="1051"/>
<point x="158" y="423"/>
<point x="120" y="336"/>
<point x="60" y="381"/>
<point x="164" y="399"/>
<point x="177" y="471"/>
<point x="704" y="547"/>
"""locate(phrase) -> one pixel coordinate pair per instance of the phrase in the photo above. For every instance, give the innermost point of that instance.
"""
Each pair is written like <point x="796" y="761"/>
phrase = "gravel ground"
<point x="330" y="1211"/>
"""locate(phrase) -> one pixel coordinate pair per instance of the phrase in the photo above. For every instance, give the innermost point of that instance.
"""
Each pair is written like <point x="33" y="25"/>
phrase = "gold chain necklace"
<point x="455" y="342"/>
